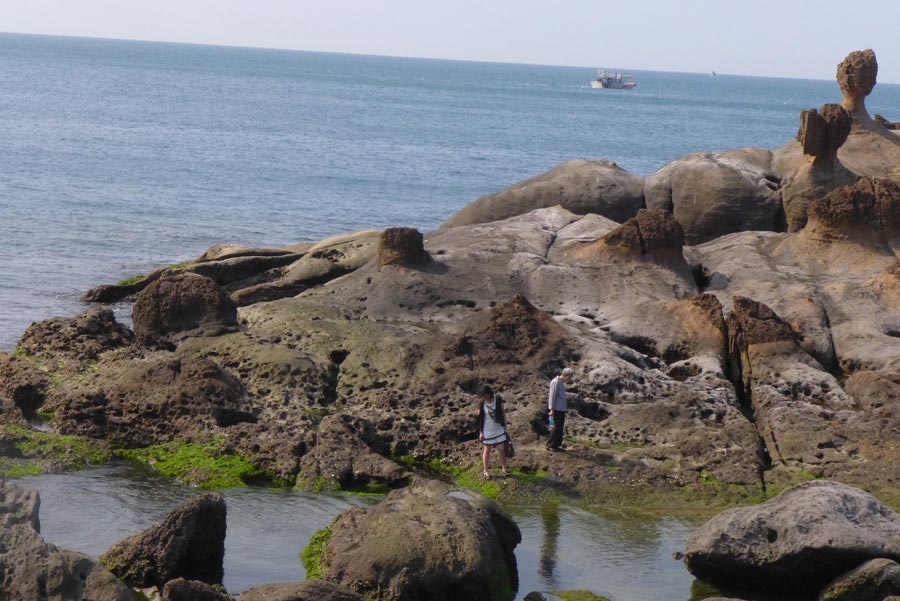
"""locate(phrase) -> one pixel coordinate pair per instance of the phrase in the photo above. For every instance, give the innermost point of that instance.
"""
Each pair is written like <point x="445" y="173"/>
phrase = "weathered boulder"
<point x="579" y="186"/>
<point x="342" y="456"/>
<point x="189" y="543"/>
<point x="307" y="590"/>
<point x="652" y="235"/>
<point x="820" y="136"/>
<point x="874" y="580"/>
<point x="183" y="304"/>
<point x="867" y="212"/>
<point x="22" y="383"/>
<point x="33" y="569"/>
<point x="425" y="542"/>
<point x="856" y="76"/>
<point x="402" y="246"/>
<point x="797" y="542"/>
<point x="713" y="194"/>
<point x="181" y="589"/>
<point x="139" y="402"/>
<point x="82" y="338"/>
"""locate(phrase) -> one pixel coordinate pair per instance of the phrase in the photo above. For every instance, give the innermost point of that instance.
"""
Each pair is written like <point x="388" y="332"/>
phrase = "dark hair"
<point x="486" y="390"/>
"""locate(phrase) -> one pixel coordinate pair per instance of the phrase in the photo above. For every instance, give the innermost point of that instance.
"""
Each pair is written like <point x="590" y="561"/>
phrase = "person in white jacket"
<point x="558" y="404"/>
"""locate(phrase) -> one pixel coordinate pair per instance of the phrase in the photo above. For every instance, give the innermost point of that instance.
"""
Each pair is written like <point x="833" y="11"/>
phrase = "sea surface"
<point x="117" y="157"/>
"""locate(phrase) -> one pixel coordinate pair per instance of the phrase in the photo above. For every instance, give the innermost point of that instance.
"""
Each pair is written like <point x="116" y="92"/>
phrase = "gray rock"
<point x="579" y="186"/>
<point x="872" y="581"/>
<point x="425" y="542"/>
<point x="713" y="194"/>
<point x="796" y="542"/>
<point x="308" y="590"/>
<point x="189" y="543"/>
<point x="33" y="569"/>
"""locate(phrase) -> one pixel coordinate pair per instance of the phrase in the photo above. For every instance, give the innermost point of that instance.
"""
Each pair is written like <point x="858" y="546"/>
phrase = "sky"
<point x="778" y="38"/>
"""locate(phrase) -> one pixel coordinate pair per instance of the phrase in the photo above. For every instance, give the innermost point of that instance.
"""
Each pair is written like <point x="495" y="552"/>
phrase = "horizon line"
<point x="400" y="56"/>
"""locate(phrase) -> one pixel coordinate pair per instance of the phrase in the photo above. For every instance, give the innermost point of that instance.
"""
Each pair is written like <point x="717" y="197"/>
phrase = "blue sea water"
<point x="118" y="157"/>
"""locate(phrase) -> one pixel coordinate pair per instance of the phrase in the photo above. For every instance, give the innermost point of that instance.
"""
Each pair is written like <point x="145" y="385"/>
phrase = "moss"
<point x="207" y="466"/>
<point x="179" y="265"/>
<point x="313" y="556"/>
<point x="17" y="469"/>
<point x="701" y="590"/>
<point x="579" y="596"/>
<point x="72" y="452"/>
<point x="46" y="414"/>
<point x="131" y="281"/>
<point x="22" y="353"/>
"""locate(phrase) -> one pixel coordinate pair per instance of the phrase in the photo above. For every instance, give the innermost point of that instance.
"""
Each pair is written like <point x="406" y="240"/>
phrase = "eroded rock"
<point x="189" y="544"/>
<point x="308" y="590"/>
<point x="184" y="303"/>
<point x="402" y="246"/>
<point x="81" y="338"/>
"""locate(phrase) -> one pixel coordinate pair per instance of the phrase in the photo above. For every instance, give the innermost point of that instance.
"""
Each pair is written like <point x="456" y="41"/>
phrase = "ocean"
<point x="119" y="157"/>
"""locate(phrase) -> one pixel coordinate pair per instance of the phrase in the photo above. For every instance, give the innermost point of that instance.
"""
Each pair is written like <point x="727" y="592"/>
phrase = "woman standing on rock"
<point x="491" y="428"/>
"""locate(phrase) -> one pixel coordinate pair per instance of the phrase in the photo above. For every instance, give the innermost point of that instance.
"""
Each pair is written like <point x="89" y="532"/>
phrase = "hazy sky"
<point x="786" y="38"/>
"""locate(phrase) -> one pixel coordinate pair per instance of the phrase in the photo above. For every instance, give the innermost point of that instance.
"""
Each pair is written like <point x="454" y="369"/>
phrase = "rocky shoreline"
<point x="732" y="319"/>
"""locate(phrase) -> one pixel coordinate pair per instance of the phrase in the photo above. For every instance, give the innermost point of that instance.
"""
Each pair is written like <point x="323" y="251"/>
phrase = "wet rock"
<point x="820" y="136"/>
<point x="579" y="186"/>
<point x="189" y="544"/>
<point x="402" y="246"/>
<point x="425" y="542"/>
<point x="185" y="304"/>
<point x="713" y="194"/>
<point x="308" y="590"/>
<point x="796" y="542"/>
<point x="22" y="383"/>
<point x="31" y="568"/>
<point x="139" y="402"/>
<point x="82" y="338"/>
<point x="180" y="589"/>
<point x="874" y="580"/>
<point x="341" y="456"/>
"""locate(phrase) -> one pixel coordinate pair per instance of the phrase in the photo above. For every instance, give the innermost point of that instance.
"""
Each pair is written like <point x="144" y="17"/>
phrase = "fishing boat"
<point x="613" y="80"/>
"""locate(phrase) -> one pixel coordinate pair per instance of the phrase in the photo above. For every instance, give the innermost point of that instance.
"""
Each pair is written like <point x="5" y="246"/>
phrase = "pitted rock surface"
<point x="179" y="303"/>
<point x="402" y="246"/>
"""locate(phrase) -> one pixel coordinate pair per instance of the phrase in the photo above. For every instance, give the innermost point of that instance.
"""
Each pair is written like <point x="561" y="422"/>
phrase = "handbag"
<point x="508" y="447"/>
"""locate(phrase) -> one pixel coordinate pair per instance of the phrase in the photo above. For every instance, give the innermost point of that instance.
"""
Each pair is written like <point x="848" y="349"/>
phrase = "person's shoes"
<point x="554" y="449"/>
<point x="486" y="475"/>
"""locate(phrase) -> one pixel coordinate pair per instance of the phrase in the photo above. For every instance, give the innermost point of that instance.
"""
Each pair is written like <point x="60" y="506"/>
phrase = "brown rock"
<point x="856" y="76"/>
<point x="307" y="590"/>
<point x="180" y="589"/>
<point x="402" y="246"/>
<point x="822" y="134"/>
<point x="82" y="338"/>
<point x="866" y="212"/>
<point x="874" y="580"/>
<point x="759" y="324"/>
<point x="653" y="234"/>
<point x="189" y="543"/>
<point x="22" y="383"/>
<point x="183" y="304"/>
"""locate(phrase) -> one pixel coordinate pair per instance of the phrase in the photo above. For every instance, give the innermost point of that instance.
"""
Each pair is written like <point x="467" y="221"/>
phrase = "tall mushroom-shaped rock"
<point x="189" y="543"/>
<point x="182" y="304"/>
<point x="580" y="186"/>
<point x="820" y="136"/>
<point x="856" y="76"/>
<point x="795" y="543"/>
<point x="427" y="541"/>
<point x="33" y="569"/>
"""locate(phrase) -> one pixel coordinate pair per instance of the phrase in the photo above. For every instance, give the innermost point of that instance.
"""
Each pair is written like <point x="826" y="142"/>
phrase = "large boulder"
<point x="182" y="304"/>
<point x="402" y="246"/>
<point x="579" y="186"/>
<point x="867" y="212"/>
<point x="189" y="543"/>
<point x="181" y="589"/>
<point x="713" y="194"/>
<point x="22" y="383"/>
<point x="307" y="590"/>
<point x="795" y="543"/>
<point x="425" y="542"/>
<point x="31" y="568"/>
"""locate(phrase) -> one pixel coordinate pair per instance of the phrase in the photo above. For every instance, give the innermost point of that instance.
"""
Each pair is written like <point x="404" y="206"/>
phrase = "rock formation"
<point x="874" y="580"/>
<point x="31" y="568"/>
<point x="425" y="542"/>
<point x="582" y="187"/>
<point x="308" y="590"/>
<point x="181" y="589"/>
<point x="856" y="76"/>
<point x="820" y="136"/>
<point x="797" y="542"/>
<point x="189" y="544"/>
<point x="82" y="338"/>
<point x="182" y="304"/>
<point x="713" y="194"/>
<point x="402" y="246"/>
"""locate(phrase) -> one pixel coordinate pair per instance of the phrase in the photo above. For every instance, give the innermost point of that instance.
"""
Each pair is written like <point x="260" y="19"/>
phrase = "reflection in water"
<point x="547" y="568"/>
<point x="624" y="555"/>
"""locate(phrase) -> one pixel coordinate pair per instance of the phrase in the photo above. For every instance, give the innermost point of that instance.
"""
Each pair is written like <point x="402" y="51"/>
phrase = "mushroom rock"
<point x="820" y="136"/>
<point x="402" y="246"/>
<point x="856" y="76"/>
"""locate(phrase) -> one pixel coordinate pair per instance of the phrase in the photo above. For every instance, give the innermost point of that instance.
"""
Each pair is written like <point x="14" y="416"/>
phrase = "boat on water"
<point x="613" y="80"/>
<point x="713" y="74"/>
